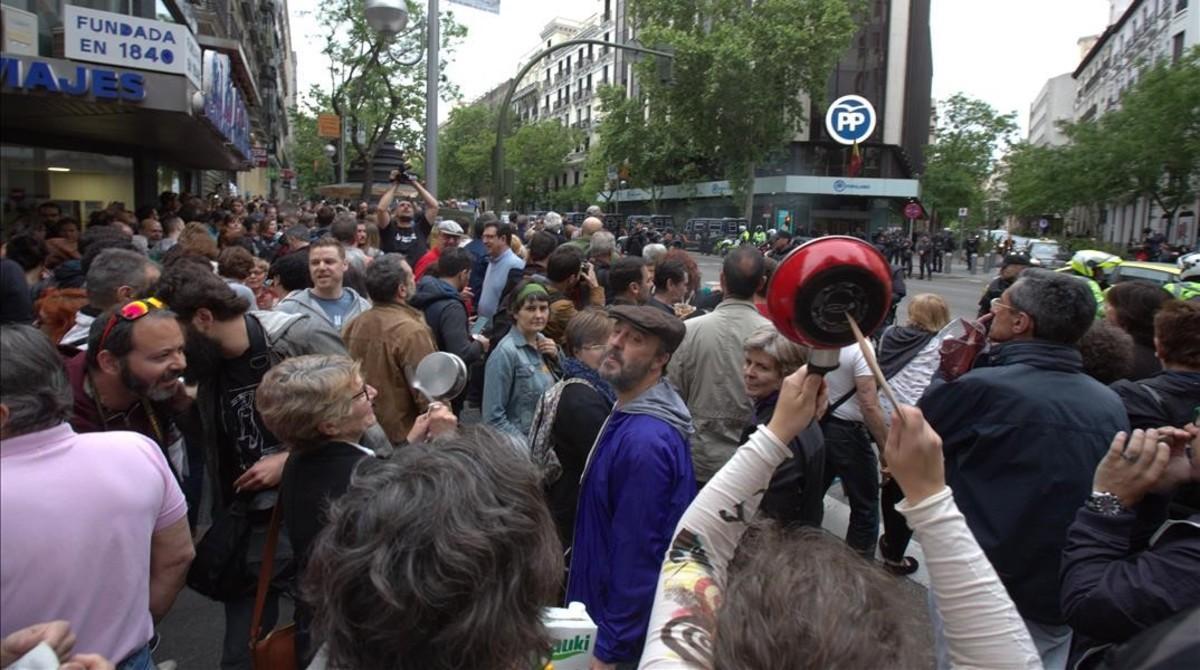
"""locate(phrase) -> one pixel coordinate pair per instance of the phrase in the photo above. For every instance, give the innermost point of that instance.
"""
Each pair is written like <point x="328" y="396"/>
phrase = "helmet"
<point x="741" y="229"/>
<point x="1086" y="261"/>
<point x="1189" y="266"/>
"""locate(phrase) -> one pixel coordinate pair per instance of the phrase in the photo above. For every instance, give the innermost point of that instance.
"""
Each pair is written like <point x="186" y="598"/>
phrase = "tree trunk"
<point x="748" y="203"/>
<point x="368" y="177"/>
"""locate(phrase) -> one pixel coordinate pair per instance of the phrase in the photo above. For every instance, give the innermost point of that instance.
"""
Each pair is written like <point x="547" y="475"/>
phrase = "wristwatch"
<point x="1105" y="504"/>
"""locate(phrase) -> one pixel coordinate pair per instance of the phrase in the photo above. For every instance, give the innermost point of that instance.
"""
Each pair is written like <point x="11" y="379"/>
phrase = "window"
<point x="1177" y="47"/>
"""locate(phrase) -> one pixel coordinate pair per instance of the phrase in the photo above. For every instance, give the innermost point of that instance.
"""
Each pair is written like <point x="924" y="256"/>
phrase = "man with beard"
<point x="129" y="377"/>
<point x="408" y="232"/>
<point x="635" y="487"/>
<point x="229" y="350"/>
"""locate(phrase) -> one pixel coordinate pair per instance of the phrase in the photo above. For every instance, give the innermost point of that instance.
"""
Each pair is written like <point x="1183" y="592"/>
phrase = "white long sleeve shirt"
<point x="981" y="623"/>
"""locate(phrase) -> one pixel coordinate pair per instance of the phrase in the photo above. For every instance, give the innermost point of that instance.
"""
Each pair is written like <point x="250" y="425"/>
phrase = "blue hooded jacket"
<point x="1022" y="438"/>
<point x="637" y="484"/>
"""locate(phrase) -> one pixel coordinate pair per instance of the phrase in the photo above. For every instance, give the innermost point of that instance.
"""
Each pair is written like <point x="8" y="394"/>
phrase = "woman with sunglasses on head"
<point x="320" y="407"/>
<point x="517" y="373"/>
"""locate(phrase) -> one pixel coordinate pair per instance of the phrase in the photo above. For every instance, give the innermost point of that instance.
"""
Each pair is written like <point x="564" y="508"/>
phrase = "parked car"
<point x="1049" y="253"/>
<point x="1159" y="273"/>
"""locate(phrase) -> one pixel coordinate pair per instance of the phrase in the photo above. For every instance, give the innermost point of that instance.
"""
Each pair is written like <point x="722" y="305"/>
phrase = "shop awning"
<point x="161" y="126"/>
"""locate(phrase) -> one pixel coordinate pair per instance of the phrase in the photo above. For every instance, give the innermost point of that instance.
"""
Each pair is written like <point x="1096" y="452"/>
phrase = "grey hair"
<point x="1061" y="306"/>
<point x="111" y="270"/>
<point x="788" y="355"/>
<point x="553" y="221"/>
<point x="654" y="252"/>
<point x="602" y="244"/>
<point x="441" y="555"/>
<point x="33" y="382"/>
<point x="595" y="211"/>
<point x="385" y="276"/>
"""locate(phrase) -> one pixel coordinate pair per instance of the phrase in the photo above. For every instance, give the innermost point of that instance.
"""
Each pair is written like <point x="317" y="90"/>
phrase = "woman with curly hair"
<point x="441" y="557"/>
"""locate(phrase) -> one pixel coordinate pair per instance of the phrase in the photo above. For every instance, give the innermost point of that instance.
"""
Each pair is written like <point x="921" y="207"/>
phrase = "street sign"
<point x="850" y="119"/>
<point x="914" y="210"/>
<point x="329" y="126"/>
<point x="259" y="154"/>
<point x="492" y="6"/>
<point x="962" y="212"/>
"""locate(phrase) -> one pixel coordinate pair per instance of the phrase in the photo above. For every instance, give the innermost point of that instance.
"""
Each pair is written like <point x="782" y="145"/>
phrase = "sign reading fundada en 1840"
<point x="142" y="44"/>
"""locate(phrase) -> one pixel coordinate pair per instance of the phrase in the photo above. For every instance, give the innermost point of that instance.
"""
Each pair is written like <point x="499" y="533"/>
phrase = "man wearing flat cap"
<point x="637" y="483"/>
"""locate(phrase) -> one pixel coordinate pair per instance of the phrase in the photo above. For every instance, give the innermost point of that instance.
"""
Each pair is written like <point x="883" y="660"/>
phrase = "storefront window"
<point x="79" y="182"/>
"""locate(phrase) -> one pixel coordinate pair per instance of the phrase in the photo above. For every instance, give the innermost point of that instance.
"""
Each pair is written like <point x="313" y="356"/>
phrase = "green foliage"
<point x="465" y="151"/>
<point x="1149" y="147"/>
<point x="962" y="158"/>
<point x="536" y="153"/>
<point x="313" y="167"/>
<point x="738" y="69"/>
<point x="377" y="86"/>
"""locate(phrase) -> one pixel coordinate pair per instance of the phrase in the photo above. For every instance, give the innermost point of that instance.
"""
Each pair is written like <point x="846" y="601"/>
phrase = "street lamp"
<point x="388" y="18"/>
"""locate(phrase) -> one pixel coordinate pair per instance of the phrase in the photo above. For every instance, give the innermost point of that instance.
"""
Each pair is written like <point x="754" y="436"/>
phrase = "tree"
<point x="969" y="136"/>
<point x="377" y="85"/>
<point x="465" y="148"/>
<point x="639" y="136"/>
<point x="536" y="153"/>
<point x="313" y="167"/>
<point x="1148" y="148"/>
<point x="739" y="67"/>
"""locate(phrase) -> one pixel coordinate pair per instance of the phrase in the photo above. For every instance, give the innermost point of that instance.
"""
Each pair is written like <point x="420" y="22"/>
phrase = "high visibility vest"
<point x="1184" y="290"/>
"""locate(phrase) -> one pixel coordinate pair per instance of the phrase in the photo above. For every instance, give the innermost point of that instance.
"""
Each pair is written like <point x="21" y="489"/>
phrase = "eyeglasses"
<point x="130" y="312"/>
<point x="996" y="303"/>
<point x="365" y="393"/>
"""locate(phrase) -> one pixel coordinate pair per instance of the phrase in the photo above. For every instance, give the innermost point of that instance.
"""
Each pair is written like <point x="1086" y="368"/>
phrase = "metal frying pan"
<point x="440" y="376"/>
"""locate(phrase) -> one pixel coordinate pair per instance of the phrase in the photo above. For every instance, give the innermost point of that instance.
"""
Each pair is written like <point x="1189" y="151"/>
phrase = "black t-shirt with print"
<point x="412" y="241"/>
<point x="242" y="427"/>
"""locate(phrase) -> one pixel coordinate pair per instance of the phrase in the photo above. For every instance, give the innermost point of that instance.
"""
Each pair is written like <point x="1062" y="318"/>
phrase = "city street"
<point x="960" y="288"/>
<point x="191" y="633"/>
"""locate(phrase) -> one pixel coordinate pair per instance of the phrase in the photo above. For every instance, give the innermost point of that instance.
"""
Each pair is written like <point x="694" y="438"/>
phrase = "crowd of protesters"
<point x="180" y="380"/>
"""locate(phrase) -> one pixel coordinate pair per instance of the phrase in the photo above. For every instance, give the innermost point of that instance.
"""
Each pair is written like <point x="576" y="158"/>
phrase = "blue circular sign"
<point x="850" y="119"/>
<point x="839" y="185"/>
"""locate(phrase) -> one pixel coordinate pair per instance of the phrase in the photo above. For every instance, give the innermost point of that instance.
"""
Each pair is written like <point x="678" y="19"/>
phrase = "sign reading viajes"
<point x="492" y="6"/>
<point x="116" y="39"/>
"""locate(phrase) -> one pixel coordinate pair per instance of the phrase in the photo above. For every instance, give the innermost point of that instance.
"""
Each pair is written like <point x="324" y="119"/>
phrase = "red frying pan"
<point x="818" y="284"/>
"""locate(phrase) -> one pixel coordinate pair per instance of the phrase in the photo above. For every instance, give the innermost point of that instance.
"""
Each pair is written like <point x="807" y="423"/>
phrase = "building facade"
<point x="1143" y="33"/>
<point x="1054" y="104"/>
<point x="117" y="101"/>
<point x="890" y="62"/>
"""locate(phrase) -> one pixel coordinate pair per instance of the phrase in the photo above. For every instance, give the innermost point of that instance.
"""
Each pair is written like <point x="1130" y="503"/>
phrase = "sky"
<point x="1000" y="51"/>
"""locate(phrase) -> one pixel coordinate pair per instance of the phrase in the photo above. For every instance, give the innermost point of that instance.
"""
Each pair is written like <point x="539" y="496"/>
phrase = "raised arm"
<point x="430" y="203"/>
<point x="383" y="214"/>
<point x="982" y="626"/>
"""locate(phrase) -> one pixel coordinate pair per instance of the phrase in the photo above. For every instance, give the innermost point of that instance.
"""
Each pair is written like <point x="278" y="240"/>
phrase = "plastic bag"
<point x="959" y="351"/>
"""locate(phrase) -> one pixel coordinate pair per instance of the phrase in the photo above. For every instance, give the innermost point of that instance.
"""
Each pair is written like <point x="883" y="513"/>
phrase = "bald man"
<point x="591" y="226"/>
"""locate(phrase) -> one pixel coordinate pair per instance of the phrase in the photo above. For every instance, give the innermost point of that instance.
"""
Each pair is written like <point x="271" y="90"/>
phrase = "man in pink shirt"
<point x="94" y="526"/>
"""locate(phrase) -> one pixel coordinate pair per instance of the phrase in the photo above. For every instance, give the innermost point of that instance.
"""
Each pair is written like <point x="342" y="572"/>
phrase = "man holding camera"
<point x="408" y="231"/>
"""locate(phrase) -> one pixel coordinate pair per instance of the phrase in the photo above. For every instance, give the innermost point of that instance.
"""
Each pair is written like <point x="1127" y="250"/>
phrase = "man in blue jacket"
<point x="637" y="483"/>
<point x="1022" y="437"/>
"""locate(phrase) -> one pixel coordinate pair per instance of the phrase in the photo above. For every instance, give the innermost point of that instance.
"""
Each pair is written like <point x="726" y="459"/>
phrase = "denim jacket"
<point x="516" y="376"/>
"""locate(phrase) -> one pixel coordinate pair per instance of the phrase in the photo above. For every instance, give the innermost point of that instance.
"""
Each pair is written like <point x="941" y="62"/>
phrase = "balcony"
<point x="583" y="95"/>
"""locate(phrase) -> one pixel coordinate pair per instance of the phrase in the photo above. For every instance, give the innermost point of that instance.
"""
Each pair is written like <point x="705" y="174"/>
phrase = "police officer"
<point x="1013" y="266"/>
<point x="1188" y="286"/>
<point x="1090" y="266"/>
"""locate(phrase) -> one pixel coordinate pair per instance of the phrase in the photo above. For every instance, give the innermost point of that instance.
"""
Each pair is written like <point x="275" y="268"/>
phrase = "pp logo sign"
<point x="850" y="119"/>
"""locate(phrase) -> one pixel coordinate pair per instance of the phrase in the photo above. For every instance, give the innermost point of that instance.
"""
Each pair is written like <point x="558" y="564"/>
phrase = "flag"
<point x="856" y="162"/>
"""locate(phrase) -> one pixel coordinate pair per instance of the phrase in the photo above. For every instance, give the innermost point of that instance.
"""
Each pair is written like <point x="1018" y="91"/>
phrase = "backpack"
<point x="541" y="451"/>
